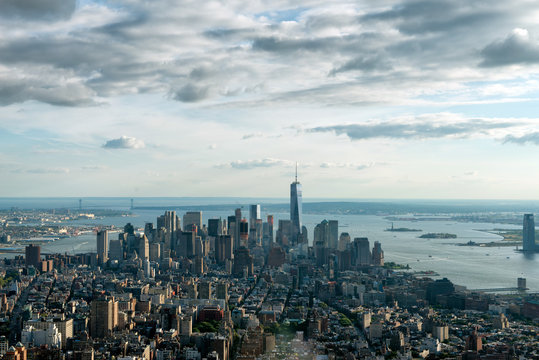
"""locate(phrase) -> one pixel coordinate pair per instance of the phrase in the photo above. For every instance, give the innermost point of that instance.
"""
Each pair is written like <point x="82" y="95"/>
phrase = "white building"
<point x="31" y="336"/>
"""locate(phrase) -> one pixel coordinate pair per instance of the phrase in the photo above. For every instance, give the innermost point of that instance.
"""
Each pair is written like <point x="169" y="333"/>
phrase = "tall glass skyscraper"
<point x="528" y="233"/>
<point x="295" y="208"/>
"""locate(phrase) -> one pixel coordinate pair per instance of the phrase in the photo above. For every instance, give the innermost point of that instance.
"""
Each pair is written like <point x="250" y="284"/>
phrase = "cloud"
<point x="252" y="135"/>
<point x="363" y="63"/>
<point x="260" y="163"/>
<point x="332" y="165"/>
<point x="420" y="17"/>
<point x="516" y="48"/>
<point x="531" y="138"/>
<point x="191" y="93"/>
<point x="413" y="130"/>
<point x="17" y="88"/>
<point x="124" y="142"/>
<point x="94" y="168"/>
<point x="237" y="53"/>
<point x="43" y="171"/>
<point x="38" y="9"/>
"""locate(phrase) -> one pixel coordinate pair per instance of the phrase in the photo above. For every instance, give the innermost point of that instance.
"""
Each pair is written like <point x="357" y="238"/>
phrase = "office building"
<point x="344" y="241"/>
<point x="224" y="248"/>
<point x="237" y="221"/>
<point x="103" y="317"/>
<point x="102" y="246"/>
<point x="361" y="252"/>
<point x="33" y="255"/>
<point x="333" y="240"/>
<point x="321" y="234"/>
<point x="222" y="291"/>
<point x="191" y="218"/>
<point x="377" y="254"/>
<point x="215" y="227"/>
<point x="528" y="233"/>
<point x="282" y="237"/>
<point x="254" y="215"/>
<point x="269" y="233"/>
<point x="155" y="251"/>
<point x="244" y="232"/>
<point x="295" y="209"/>
<point x="116" y="250"/>
<point x="204" y="290"/>
<point x="243" y="263"/>
<point x="187" y="244"/>
<point x="143" y="247"/>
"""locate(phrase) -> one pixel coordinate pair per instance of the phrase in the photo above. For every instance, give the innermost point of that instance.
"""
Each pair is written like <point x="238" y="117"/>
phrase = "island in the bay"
<point x="402" y="229"/>
<point x="438" y="236"/>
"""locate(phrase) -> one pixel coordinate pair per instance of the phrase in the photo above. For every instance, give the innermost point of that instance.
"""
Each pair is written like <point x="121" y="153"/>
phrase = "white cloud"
<point x="124" y="142"/>
<point x="259" y="163"/>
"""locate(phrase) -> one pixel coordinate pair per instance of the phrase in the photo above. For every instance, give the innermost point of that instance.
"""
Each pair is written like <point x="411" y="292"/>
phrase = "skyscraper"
<point x="528" y="233"/>
<point x="333" y="234"/>
<point x="192" y="218"/>
<point x="254" y="215"/>
<point x="103" y="317"/>
<point x="295" y="208"/>
<point x="33" y="255"/>
<point x="377" y="254"/>
<point x="102" y="246"/>
<point x="361" y="252"/>
<point x="237" y="221"/>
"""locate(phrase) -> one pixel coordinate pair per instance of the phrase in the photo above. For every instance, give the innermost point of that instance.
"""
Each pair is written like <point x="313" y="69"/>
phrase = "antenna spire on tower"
<point x="296" y="171"/>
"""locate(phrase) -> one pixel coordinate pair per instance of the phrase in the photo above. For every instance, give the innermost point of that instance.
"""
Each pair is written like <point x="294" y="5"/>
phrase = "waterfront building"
<point x="361" y="252"/>
<point x="377" y="254"/>
<point x="528" y="233"/>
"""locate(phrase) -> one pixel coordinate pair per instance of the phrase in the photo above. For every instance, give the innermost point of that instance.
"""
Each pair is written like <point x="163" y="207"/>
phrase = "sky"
<point x="372" y="99"/>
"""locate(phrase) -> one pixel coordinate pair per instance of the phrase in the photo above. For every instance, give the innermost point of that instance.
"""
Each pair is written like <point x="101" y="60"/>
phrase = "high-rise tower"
<point x="528" y="233"/>
<point x="295" y="208"/>
<point x="102" y="246"/>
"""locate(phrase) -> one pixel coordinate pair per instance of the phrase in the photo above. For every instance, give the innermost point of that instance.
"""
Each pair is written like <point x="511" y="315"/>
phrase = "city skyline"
<point x="386" y="99"/>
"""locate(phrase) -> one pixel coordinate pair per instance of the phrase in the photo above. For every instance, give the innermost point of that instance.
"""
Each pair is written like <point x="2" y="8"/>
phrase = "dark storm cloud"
<point x="517" y="48"/>
<point x="273" y="44"/>
<point x="191" y="93"/>
<point x="60" y="94"/>
<point x="363" y="63"/>
<point x="222" y="34"/>
<point x="531" y="138"/>
<point x="425" y="16"/>
<point x="196" y="55"/>
<point x="37" y="9"/>
<point x="421" y="130"/>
